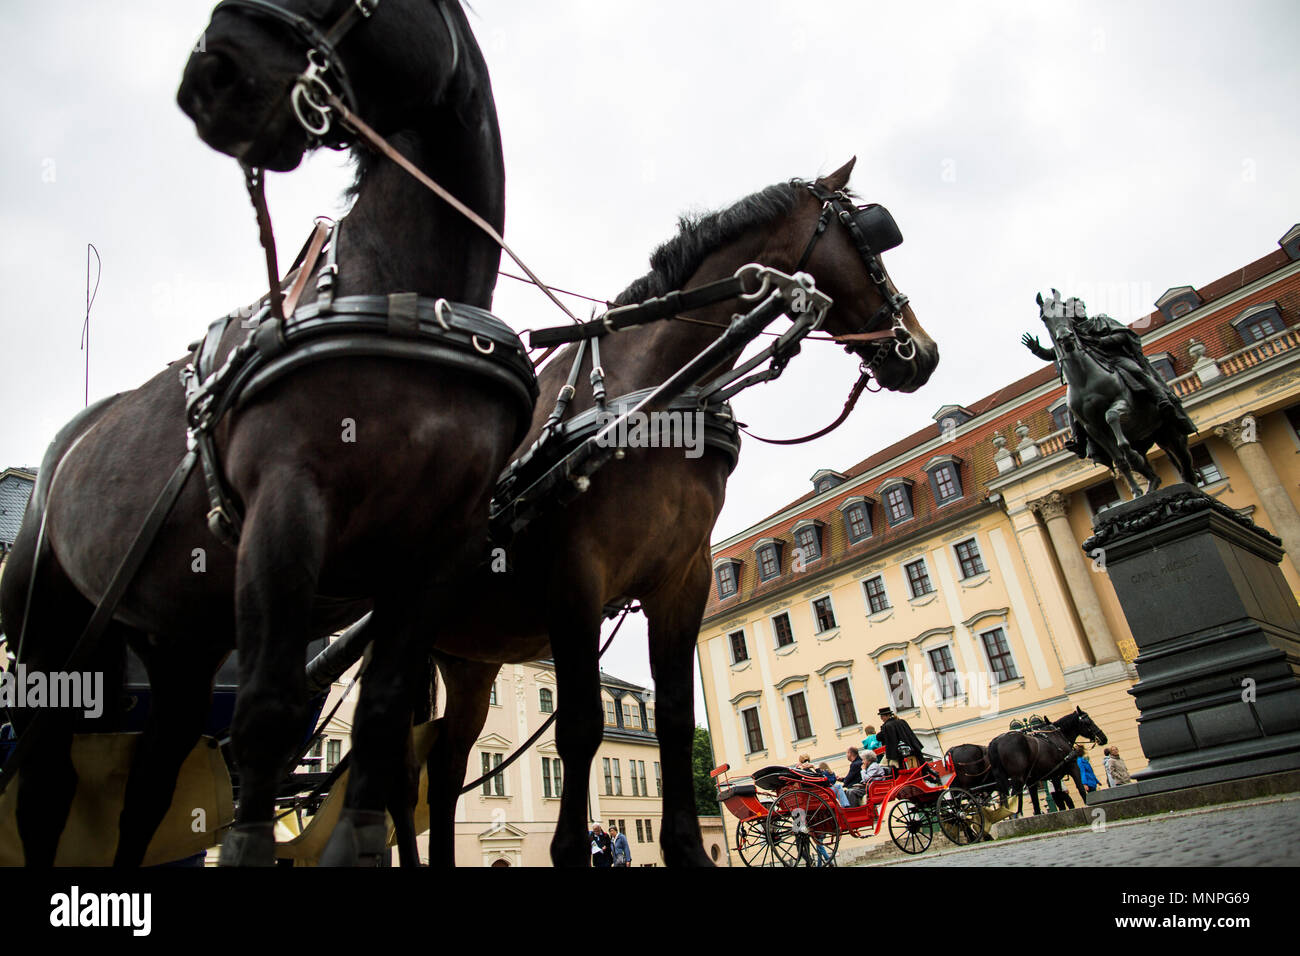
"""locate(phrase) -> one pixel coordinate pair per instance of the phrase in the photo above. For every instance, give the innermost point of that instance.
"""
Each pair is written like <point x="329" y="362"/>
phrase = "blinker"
<point x="877" y="228"/>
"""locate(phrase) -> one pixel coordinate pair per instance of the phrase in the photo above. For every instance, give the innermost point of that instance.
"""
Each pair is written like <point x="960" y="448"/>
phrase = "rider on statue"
<point x="1118" y="349"/>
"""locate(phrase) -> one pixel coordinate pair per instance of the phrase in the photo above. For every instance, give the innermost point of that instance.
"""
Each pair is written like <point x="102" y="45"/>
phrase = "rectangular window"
<point x="807" y="540"/>
<point x="768" y="565"/>
<point x="640" y="832"/>
<point x="649" y="718"/>
<point x="877" y="599"/>
<point x="1102" y="496"/>
<point x="999" y="653"/>
<point x="753" y="731"/>
<point x="611" y="718"/>
<point x="856" y="523"/>
<point x="609" y="777"/>
<point x="969" y="557"/>
<point x="843" y="696"/>
<point x="945" y="672"/>
<point x="918" y="578"/>
<point x="739" y="652"/>
<point x="631" y="717"/>
<point x="781" y="627"/>
<point x="618" y="778"/>
<point x="659" y="780"/>
<point x="649" y="833"/>
<point x="900" y="691"/>
<point x="551" y="782"/>
<point x="1204" y="464"/>
<point x="726" y="580"/>
<point x="824" y="614"/>
<point x="493" y="698"/>
<point x="799" y="716"/>
<point x="546" y="701"/>
<point x="496" y="784"/>
<point x="333" y="753"/>
<point x="645" y="791"/>
<point x="900" y="507"/>
<point x="1060" y="416"/>
<point x="945" y="483"/>
<point x="636" y="791"/>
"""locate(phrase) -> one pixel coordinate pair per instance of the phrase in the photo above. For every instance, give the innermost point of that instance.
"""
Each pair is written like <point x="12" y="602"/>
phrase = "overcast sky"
<point x="1109" y="149"/>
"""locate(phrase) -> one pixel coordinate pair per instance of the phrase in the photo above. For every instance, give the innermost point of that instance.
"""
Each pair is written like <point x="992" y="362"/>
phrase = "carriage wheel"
<point x="911" y="826"/>
<point x="751" y="843"/>
<point x="960" y="817"/>
<point x="803" y="830"/>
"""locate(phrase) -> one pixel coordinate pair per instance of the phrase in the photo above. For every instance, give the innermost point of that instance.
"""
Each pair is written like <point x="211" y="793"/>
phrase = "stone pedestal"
<point x="1218" y="636"/>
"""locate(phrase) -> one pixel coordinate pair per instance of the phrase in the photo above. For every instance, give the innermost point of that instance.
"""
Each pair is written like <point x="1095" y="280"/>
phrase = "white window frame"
<point x="1005" y="628"/>
<point x="789" y="713"/>
<point x="961" y="572"/>
<point x="929" y="576"/>
<point x="731" y="648"/>
<point x="889" y="691"/>
<point x="866" y="599"/>
<point x="952" y="653"/>
<point x="853" y="699"/>
<point x="794" y="641"/>
<point x="813" y="610"/>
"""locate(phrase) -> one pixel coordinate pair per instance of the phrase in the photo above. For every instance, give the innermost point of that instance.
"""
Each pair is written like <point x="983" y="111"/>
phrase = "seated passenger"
<point x="835" y="785"/>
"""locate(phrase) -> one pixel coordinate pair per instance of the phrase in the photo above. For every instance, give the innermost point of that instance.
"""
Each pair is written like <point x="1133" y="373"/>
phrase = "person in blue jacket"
<point x="1087" y="777"/>
<point x="622" y="852"/>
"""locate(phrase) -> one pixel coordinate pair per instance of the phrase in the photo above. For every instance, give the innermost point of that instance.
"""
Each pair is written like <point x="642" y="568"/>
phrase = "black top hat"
<point x="885" y="712"/>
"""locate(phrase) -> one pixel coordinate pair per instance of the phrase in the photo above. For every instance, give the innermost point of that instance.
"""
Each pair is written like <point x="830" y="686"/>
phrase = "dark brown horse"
<point x="364" y="481"/>
<point x="1019" y="759"/>
<point x="643" y="529"/>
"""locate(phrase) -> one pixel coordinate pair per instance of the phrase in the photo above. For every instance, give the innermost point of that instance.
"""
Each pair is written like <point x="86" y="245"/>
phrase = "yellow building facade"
<point x="944" y="575"/>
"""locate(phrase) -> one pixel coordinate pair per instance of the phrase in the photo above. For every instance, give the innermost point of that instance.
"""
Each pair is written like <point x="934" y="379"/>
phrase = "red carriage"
<point x="792" y="817"/>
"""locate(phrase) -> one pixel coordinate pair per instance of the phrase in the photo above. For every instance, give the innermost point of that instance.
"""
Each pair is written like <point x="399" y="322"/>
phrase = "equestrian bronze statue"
<point x="1119" y="406"/>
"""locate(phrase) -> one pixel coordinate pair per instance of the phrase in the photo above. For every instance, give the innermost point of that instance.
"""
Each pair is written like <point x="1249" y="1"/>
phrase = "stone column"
<point x="1243" y="436"/>
<point x="1078" y="576"/>
<point x="1071" y="646"/>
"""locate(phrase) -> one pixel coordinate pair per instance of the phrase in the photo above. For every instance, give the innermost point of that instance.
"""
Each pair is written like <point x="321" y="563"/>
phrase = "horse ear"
<point x="840" y="178"/>
<point x="1039" y="299"/>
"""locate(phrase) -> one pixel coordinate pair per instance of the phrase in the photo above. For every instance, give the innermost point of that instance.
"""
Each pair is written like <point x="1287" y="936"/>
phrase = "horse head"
<point x="841" y="244"/>
<point x="1087" y="728"/>
<point x="258" y="82"/>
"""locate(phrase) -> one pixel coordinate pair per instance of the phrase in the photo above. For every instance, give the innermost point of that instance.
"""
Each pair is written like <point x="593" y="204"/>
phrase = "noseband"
<point x="873" y="231"/>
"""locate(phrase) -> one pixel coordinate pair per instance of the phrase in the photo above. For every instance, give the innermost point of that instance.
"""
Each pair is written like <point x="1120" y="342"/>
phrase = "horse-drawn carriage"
<point x="793" y="817"/>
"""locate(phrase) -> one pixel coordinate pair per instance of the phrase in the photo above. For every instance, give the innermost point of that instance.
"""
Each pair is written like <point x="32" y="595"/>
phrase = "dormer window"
<point x="808" y="539"/>
<point x="1060" y="415"/>
<point x="1163" y="362"/>
<point x="1259" y="322"/>
<point x="1178" y="301"/>
<point x="945" y="478"/>
<point x="727" y="573"/>
<point x="1290" y="243"/>
<point x="857" y="519"/>
<point x="768" y="553"/>
<point x="897" y="497"/>
<point x="825" y="479"/>
<point x="949" y="417"/>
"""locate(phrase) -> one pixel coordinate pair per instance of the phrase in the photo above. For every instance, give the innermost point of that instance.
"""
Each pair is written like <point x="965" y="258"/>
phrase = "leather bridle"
<point x="312" y="90"/>
<point x="870" y="243"/>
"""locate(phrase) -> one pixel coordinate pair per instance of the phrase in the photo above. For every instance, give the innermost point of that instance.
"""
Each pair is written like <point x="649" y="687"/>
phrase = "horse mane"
<point x="701" y="234"/>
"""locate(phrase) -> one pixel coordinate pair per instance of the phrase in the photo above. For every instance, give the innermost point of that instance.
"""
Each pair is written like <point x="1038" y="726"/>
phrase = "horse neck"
<point x="400" y="237"/>
<point x="647" y="355"/>
<point x="1069" y="727"/>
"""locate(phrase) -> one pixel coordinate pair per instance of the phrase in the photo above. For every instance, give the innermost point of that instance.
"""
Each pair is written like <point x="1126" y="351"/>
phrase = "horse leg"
<point x="575" y="636"/>
<point x="1174" y="444"/>
<point x="1129" y="458"/>
<point x="674" y="616"/>
<point x="46" y="633"/>
<point x="381" y="772"/>
<point x="276" y="573"/>
<point x="180" y="681"/>
<point x="468" y="688"/>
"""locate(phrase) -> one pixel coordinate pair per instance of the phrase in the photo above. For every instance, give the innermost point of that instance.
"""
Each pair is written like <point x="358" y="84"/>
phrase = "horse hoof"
<point x="360" y="838"/>
<point x="248" y="844"/>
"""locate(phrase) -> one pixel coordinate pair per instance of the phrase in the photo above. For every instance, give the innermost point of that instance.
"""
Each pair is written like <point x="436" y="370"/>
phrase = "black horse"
<point x="1019" y="759"/>
<point x="364" y="482"/>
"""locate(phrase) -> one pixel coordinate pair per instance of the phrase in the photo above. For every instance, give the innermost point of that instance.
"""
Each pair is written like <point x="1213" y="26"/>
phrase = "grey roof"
<point x="15" y="489"/>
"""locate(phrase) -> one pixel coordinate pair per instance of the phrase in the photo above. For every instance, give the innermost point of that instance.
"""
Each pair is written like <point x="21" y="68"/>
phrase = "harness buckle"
<point x="366" y="7"/>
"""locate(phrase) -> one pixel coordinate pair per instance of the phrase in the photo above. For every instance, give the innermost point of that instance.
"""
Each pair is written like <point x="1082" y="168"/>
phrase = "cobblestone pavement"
<point x="1262" y="834"/>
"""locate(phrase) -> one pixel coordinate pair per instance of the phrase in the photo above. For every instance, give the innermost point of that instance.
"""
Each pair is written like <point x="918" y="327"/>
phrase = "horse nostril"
<point x="207" y="77"/>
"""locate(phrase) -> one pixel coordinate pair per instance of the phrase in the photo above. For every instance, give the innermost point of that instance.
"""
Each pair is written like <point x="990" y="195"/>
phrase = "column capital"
<point x="1242" y="431"/>
<point x="1054" y="504"/>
